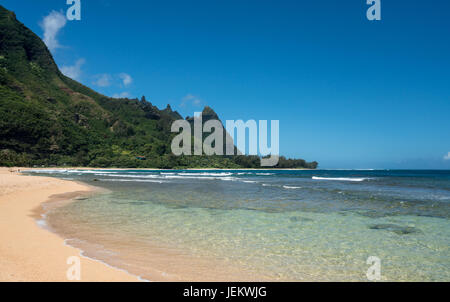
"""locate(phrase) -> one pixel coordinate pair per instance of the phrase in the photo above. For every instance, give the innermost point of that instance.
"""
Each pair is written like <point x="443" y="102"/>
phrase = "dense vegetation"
<point x="48" y="119"/>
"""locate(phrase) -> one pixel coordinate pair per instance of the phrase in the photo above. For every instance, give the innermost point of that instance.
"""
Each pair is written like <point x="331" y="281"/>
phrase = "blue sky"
<point x="349" y="93"/>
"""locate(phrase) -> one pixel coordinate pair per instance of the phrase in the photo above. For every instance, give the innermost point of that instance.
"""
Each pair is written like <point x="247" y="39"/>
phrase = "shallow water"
<point x="272" y="225"/>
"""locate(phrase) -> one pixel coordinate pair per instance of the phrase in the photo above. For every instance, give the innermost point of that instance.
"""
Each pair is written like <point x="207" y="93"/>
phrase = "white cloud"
<point x="121" y="95"/>
<point x="447" y="157"/>
<point x="73" y="72"/>
<point x="51" y="25"/>
<point x="190" y="99"/>
<point x="102" y="80"/>
<point x="126" y="79"/>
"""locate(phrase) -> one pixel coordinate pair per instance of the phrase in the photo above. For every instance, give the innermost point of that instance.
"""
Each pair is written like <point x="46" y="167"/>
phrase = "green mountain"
<point x="49" y="119"/>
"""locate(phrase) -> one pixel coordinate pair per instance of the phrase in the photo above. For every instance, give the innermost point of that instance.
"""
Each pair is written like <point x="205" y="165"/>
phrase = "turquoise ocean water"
<point x="273" y="225"/>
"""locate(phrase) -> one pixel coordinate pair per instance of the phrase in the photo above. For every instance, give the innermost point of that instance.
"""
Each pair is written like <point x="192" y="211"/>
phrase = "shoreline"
<point x="29" y="252"/>
<point x="32" y="251"/>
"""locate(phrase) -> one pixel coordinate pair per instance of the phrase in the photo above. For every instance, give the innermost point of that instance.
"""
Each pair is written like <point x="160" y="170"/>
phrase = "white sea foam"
<point x="134" y="176"/>
<point x="136" y="180"/>
<point x="440" y="197"/>
<point x="290" y="187"/>
<point x="53" y="171"/>
<point x="200" y="177"/>
<point x="91" y="171"/>
<point x="41" y="222"/>
<point x="206" y="174"/>
<point x="45" y="171"/>
<point x="341" y="178"/>
<point x="253" y="173"/>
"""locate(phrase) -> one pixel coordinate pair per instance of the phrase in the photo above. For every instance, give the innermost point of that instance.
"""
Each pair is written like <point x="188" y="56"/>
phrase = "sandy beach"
<point x="28" y="252"/>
